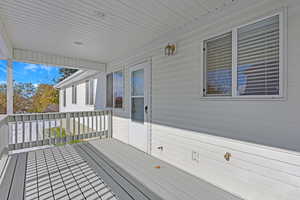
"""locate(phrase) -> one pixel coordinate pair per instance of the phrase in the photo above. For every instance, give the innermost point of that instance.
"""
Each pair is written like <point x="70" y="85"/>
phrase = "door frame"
<point x="147" y="66"/>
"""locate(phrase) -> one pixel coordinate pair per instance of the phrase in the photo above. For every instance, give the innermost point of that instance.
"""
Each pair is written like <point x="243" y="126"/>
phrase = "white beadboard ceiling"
<point x="52" y="26"/>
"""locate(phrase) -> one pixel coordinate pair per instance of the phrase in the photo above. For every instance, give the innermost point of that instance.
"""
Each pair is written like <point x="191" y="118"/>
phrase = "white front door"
<point x="139" y="132"/>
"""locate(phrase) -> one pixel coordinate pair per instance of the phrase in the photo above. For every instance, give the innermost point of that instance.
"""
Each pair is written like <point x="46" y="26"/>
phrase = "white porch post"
<point x="10" y="87"/>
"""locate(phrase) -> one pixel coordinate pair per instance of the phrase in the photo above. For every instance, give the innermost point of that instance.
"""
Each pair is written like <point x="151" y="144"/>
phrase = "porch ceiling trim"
<point x="76" y="78"/>
<point x="37" y="57"/>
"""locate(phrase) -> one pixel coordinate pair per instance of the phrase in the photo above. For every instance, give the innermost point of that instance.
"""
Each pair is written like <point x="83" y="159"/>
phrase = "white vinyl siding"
<point x="260" y="172"/>
<point x="244" y="62"/>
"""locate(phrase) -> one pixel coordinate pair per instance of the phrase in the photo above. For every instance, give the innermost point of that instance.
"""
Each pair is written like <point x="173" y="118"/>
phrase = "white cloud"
<point x="2" y="69"/>
<point x="36" y="85"/>
<point x="2" y="82"/>
<point x="45" y="68"/>
<point x="31" y="67"/>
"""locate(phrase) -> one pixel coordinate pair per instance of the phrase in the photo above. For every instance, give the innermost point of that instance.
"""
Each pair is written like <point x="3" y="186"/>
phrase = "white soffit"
<point x="107" y="29"/>
<point x="56" y="60"/>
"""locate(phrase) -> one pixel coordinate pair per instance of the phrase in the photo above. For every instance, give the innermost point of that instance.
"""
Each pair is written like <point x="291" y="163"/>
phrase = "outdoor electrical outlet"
<point x="195" y="156"/>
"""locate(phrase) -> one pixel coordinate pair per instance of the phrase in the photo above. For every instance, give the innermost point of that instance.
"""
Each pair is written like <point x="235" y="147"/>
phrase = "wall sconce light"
<point x="170" y="50"/>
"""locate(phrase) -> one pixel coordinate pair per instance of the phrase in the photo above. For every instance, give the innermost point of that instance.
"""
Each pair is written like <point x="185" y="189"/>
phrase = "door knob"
<point x="146" y="109"/>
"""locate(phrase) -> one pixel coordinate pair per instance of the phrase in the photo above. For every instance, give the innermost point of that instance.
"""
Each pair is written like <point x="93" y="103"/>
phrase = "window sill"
<point x="246" y="98"/>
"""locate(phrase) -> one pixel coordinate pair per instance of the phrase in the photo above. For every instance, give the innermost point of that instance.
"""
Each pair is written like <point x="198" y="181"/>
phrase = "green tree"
<point x="23" y="93"/>
<point x="65" y="73"/>
<point x="45" y="96"/>
<point x="2" y="98"/>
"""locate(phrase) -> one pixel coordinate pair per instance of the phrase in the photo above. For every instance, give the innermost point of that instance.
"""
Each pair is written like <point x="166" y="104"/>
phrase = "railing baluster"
<point x="37" y="137"/>
<point x="92" y="116"/>
<point x="96" y="119"/>
<point x="101" y="124"/>
<point x="104" y="123"/>
<point x="84" y="125"/>
<point x="60" y="130"/>
<point x="49" y="129"/>
<point x="79" y="136"/>
<point x="74" y="127"/>
<point x="68" y="128"/>
<point x="30" y="132"/>
<point x="88" y="125"/>
<point x="54" y="130"/>
<point x="16" y="134"/>
<point x="23" y="132"/>
<point x="109" y="121"/>
<point x="43" y="142"/>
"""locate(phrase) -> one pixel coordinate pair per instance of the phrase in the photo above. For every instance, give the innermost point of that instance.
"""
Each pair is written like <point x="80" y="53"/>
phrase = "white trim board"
<point x="30" y="56"/>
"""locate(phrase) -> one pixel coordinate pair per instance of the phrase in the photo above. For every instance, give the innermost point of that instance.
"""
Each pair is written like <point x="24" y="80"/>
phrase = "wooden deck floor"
<point x="169" y="182"/>
<point x="100" y="169"/>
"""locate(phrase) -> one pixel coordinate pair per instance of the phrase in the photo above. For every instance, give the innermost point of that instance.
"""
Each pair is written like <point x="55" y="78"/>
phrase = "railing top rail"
<point x="3" y="119"/>
<point x="54" y="115"/>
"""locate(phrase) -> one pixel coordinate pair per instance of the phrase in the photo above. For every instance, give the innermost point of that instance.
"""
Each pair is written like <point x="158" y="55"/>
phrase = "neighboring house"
<point x="78" y="92"/>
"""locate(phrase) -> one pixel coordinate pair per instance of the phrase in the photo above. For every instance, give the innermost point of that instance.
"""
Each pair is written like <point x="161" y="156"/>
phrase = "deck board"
<point x="100" y="169"/>
<point x="123" y="184"/>
<point x="168" y="182"/>
<point x="17" y="187"/>
<point x="8" y="177"/>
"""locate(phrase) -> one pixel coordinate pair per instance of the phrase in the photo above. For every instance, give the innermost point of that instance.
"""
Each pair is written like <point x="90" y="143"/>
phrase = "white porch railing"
<point x="31" y="130"/>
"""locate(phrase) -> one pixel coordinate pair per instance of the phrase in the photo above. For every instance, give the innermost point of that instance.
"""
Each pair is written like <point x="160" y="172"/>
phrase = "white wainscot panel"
<point x="254" y="171"/>
<point x="120" y="128"/>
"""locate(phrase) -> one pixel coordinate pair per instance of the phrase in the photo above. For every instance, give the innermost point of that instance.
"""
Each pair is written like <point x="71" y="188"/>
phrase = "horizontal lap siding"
<point x="183" y="122"/>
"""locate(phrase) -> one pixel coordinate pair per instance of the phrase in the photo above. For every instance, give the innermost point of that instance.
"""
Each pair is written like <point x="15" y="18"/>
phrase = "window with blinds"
<point x="246" y="65"/>
<point x="64" y="97"/>
<point x="87" y="92"/>
<point x="258" y="58"/>
<point x="118" y="89"/>
<point x="218" y="60"/>
<point x="74" y="94"/>
<point x="92" y="96"/>
<point x="109" y="90"/>
<point x="115" y="89"/>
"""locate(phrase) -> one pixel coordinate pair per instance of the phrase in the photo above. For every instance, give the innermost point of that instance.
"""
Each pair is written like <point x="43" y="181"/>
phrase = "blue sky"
<point x="30" y="73"/>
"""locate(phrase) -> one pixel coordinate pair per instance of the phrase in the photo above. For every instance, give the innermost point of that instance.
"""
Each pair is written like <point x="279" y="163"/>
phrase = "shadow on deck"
<point x="100" y="169"/>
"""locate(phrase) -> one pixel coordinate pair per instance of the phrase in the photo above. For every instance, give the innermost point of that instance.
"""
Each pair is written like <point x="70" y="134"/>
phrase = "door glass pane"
<point x="137" y="109"/>
<point x="137" y="83"/>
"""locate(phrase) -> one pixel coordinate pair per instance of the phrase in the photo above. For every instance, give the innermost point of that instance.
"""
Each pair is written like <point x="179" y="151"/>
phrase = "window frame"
<point x="282" y="62"/>
<point x="113" y="89"/>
